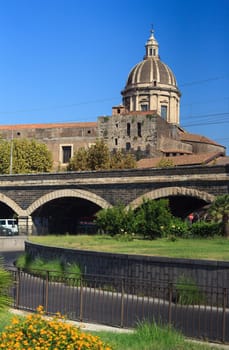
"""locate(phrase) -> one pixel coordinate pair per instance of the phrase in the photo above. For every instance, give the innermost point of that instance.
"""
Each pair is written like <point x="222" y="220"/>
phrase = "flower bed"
<point x="35" y="332"/>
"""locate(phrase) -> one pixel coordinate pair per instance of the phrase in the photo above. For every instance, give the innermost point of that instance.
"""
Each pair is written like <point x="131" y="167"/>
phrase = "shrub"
<point x="23" y="261"/>
<point x="187" y="291"/>
<point x="115" y="220"/>
<point x="153" y="218"/>
<point x="205" y="229"/>
<point x="74" y="274"/>
<point x="5" y="283"/>
<point x="37" y="332"/>
<point x="55" y="268"/>
<point x="179" y="228"/>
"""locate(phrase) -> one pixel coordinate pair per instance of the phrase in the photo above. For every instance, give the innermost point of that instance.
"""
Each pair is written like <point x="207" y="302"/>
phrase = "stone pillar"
<point x="25" y="225"/>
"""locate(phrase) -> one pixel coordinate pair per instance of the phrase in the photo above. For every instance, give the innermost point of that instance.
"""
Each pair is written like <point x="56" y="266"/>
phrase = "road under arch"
<point x="65" y="215"/>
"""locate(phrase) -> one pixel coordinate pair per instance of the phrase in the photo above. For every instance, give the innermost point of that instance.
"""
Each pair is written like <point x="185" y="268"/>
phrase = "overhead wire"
<point x="37" y="109"/>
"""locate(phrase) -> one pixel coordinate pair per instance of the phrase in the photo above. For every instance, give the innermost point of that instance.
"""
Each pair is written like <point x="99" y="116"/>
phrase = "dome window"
<point x="144" y="107"/>
<point x="164" y="110"/>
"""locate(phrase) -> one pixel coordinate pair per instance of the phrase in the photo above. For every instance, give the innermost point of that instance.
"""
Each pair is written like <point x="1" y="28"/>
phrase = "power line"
<point x="207" y="115"/>
<point x="38" y="109"/>
<point x="204" y="80"/>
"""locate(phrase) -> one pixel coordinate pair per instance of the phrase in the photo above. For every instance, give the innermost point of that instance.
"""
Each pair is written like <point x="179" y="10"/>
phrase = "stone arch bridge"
<point x="189" y="188"/>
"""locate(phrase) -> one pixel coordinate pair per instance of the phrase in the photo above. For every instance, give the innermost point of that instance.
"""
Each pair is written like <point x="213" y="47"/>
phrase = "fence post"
<point x="170" y="303"/>
<point x="17" y="283"/>
<point x="46" y="291"/>
<point x="224" y="314"/>
<point x="81" y="299"/>
<point x="122" y="305"/>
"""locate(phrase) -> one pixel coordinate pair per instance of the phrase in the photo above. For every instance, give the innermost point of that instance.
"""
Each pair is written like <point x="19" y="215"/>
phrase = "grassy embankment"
<point x="145" y="337"/>
<point x="212" y="249"/>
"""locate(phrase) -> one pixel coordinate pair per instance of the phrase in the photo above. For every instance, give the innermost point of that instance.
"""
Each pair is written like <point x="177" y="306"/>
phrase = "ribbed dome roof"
<point x="151" y="71"/>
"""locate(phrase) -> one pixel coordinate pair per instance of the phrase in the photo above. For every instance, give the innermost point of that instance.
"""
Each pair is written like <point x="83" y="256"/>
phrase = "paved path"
<point x="98" y="328"/>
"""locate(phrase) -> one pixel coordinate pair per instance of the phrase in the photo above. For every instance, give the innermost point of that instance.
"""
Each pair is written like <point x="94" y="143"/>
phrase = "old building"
<point x="147" y="122"/>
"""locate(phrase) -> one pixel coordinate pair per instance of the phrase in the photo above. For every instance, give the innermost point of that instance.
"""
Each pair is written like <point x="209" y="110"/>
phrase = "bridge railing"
<point x="201" y="312"/>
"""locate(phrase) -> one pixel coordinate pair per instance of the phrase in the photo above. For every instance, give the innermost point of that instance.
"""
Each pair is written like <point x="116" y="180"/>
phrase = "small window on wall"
<point x="116" y="142"/>
<point x="144" y="107"/>
<point x="128" y="146"/>
<point x="164" y="112"/>
<point x="66" y="154"/>
<point x="139" y="129"/>
<point x="128" y="129"/>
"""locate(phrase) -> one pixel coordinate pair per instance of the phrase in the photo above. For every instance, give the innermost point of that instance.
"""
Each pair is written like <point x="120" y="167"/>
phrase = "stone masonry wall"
<point x="203" y="272"/>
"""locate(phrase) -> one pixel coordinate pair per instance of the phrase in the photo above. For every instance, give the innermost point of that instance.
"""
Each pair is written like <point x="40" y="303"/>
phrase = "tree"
<point x="25" y="156"/>
<point x="79" y="160"/>
<point x="98" y="157"/>
<point x="165" y="163"/>
<point x="120" y="160"/>
<point x="219" y="212"/>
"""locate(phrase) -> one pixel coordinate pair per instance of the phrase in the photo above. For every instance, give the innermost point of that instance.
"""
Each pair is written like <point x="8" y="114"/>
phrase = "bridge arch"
<point x="68" y="193"/>
<point x="12" y="204"/>
<point x="172" y="191"/>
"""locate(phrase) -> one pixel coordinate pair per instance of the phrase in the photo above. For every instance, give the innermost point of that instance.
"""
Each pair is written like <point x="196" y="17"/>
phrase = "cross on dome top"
<point x="152" y="47"/>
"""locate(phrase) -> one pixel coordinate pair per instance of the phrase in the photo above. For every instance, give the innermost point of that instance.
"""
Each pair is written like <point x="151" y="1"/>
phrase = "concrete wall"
<point x="12" y="243"/>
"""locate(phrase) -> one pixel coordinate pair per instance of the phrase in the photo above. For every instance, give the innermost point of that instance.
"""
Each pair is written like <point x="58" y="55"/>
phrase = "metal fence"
<point x="200" y="312"/>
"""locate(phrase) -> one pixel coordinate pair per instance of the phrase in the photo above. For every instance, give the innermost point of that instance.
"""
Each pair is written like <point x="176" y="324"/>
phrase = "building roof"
<point x="185" y="136"/>
<point x="194" y="159"/>
<point x="49" y="125"/>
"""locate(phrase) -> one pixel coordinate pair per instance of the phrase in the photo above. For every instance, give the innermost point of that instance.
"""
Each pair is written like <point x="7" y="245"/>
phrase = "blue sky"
<point x="68" y="60"/>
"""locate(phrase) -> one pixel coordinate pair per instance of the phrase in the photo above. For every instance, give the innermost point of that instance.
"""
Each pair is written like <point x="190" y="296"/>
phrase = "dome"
<point x="151" y="85"/>
<point x="151" y="71"/>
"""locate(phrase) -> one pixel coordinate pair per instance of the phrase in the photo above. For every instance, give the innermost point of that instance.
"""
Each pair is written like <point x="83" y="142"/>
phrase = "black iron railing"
<point x="201" y="313"/>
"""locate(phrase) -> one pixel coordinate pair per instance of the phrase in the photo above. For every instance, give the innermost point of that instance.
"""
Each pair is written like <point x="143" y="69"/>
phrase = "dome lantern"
<point x="151" y="46"/>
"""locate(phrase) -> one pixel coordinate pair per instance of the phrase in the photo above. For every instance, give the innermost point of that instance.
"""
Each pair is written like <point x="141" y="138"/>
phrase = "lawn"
<point x="212" y="249"/>
<point x="145" y="337"/>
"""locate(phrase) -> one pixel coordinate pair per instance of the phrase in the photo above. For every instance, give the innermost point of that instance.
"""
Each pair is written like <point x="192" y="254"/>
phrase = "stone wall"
<point x="203" y="272"/>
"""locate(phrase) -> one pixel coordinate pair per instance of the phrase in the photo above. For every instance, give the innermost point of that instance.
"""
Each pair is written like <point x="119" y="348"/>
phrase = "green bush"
<point x="5" y="283"/>
<point x="205" y="229"/>
<point x="115" y="220"/>
<point x="153" y="218"/>
<point x="73" y="274"/>
<point x="23" y="261"/>
<point x="179" y="228"/>
<point x="187" y="292"/>
<point x="55" y="268"/>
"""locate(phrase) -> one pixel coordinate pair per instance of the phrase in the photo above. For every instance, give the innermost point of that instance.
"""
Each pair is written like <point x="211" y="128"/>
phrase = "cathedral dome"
<point x="151" y="71"/>
<point x="151" y="85"/>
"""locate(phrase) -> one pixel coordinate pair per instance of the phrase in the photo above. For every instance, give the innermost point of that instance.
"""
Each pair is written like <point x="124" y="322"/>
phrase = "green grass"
<point x="212" y="249"/>
<point x="5" y="319"/>
<point x="151" y="337"/>
<point x="145" y="337"/>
